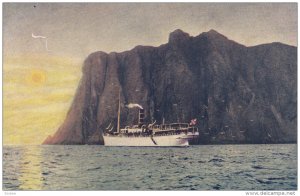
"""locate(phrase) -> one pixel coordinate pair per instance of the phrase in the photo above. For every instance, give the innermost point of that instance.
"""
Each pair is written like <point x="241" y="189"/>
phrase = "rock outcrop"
<point x="238" y="94"/>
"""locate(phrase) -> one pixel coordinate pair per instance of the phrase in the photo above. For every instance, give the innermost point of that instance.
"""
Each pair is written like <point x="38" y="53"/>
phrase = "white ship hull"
<point x="166" y="140"/>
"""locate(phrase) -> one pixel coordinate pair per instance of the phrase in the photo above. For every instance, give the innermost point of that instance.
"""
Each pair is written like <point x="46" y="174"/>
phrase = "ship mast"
<point x="119" y="113"/>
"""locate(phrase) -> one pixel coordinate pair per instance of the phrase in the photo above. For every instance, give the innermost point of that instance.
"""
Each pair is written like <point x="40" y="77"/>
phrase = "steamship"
<point x="175" y="134"/>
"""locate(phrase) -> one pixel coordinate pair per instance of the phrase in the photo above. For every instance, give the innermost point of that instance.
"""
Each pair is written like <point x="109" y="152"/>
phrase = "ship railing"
<point x="179" y="125"/>
<point x="192" y="129"/>
<point x="173" y="126"/>
<point x="178" y="129"/>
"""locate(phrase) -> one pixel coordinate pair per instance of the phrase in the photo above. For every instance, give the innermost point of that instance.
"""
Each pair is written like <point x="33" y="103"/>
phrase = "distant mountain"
<point x="238" y="94"/>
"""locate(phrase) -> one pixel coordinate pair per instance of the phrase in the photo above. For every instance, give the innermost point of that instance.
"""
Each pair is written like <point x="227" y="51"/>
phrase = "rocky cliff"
<point x="238" y="94"/>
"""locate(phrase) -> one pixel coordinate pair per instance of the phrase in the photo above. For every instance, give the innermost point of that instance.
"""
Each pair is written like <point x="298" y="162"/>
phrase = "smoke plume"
<point x="134" y="105"/>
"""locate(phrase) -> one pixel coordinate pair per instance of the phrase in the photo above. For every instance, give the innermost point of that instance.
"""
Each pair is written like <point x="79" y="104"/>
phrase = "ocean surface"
<point x="204" y="167"/>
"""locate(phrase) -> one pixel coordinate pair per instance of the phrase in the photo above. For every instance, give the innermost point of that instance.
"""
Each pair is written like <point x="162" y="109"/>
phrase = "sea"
<point x="199" y="167"/>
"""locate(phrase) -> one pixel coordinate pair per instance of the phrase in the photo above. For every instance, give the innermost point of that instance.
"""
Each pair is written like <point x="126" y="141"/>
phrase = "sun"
<point x="36" y="77"/>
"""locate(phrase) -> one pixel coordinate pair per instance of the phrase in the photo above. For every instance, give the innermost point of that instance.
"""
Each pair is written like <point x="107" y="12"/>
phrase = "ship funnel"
<point x="141" y="116"/>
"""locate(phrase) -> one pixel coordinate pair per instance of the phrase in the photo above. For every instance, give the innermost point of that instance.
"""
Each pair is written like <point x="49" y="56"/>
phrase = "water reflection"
<point x="30" y="169"/>
<point x="229" y="167"/>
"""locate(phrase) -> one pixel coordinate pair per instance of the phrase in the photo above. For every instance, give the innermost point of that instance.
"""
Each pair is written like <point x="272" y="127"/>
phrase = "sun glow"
<point x="37" y="92"/>
<point x="36" y="77"/>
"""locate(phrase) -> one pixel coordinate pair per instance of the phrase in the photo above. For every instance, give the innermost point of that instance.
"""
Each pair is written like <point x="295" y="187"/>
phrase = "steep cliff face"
<point x="238" y="94"/>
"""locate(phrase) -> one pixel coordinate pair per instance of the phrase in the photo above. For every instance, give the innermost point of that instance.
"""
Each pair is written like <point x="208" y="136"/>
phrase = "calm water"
<point x="221" y="167"/>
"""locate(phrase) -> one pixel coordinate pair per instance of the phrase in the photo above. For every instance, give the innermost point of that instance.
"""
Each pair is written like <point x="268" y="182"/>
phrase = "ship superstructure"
<point x="174" y="134"/>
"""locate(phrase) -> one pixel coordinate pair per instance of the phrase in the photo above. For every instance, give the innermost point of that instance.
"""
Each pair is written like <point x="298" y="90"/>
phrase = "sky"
<point x="44" y="45"/>
<point x="79" y="29"/>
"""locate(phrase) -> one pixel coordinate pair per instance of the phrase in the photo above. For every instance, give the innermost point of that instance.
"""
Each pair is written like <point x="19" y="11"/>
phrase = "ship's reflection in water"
<point x="30" y="177"/>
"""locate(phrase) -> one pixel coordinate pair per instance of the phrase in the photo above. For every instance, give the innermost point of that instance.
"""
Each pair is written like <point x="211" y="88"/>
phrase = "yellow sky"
<point x="37" y="92"/>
